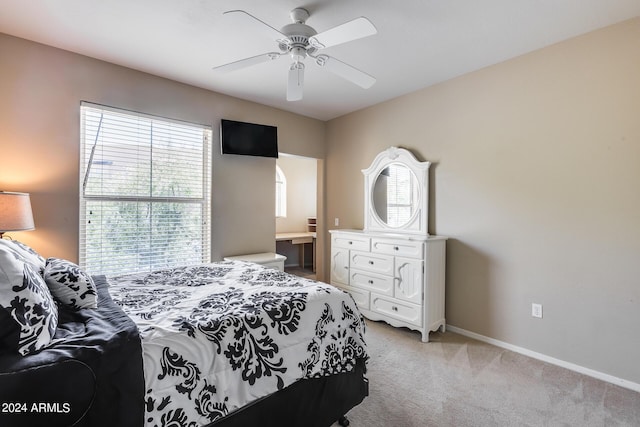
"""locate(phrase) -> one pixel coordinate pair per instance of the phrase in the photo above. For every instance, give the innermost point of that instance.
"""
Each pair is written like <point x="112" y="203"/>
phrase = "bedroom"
<point x="534" y="179"/>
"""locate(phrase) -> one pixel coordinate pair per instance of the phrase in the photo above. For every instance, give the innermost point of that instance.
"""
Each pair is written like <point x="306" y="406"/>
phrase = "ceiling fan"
<point x="300" y="41"/>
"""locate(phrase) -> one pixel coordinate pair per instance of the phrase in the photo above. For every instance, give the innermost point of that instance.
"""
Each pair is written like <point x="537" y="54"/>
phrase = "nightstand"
<point x="268" y="259"/>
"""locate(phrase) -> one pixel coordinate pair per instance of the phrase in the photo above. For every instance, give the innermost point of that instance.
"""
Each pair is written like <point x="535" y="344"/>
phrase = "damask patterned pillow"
<point x="69" y="284"/>
<point x="26" y="253"/>
<point x="30" y="315"/>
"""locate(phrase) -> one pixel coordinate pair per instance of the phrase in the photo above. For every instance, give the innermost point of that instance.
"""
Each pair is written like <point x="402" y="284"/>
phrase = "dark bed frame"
<point x="314" y="402"/>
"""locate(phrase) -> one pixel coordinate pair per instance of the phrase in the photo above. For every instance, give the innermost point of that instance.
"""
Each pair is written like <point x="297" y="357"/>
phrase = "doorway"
<point x="297" y="214"/>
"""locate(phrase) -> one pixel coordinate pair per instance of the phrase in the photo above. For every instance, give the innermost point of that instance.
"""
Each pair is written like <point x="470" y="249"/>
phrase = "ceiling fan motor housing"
<point x="298" y="34"/>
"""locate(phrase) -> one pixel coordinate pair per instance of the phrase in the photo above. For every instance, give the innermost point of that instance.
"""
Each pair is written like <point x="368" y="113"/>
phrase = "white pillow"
<point x="26" y="300"/>
<point x="69" y="284"/>
<point x="26" y="253"/>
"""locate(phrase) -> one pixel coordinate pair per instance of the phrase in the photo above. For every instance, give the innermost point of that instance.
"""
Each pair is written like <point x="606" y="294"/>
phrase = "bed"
<point x="222" y="344"/>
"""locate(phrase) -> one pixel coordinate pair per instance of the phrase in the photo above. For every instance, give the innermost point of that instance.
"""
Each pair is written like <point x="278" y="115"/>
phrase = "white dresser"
<point x="395" y="278"/>
<point x="394" y="269"/>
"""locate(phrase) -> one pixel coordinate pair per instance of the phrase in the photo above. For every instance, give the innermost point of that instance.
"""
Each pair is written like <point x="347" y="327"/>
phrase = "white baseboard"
<point x="568" y="365"/>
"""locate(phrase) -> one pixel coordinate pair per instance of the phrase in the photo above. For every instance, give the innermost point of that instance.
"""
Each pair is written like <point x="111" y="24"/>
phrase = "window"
<point x="144" y="192"/>
<point x="281" y="193"/>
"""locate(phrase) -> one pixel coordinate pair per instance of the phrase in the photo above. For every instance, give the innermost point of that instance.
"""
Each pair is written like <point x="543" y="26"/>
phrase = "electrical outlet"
<point x="337" y="222"/>
<point x="536" y="310"/>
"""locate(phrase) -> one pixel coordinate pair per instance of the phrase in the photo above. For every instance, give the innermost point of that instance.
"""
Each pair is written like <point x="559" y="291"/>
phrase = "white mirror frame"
<point x="419" y="222"/>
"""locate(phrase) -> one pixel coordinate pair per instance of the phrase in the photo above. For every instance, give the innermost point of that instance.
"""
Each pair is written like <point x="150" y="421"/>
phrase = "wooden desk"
<point x="300" y="238"/>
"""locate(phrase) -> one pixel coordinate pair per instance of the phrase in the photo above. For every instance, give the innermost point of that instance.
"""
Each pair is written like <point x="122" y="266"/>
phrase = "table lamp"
<point x="15" y="212"/>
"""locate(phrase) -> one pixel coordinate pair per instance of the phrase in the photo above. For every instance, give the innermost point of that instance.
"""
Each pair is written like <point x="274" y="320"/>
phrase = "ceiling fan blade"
<point x="243" y="19"/>
<point x="247" y="62"/>
<point x="295" y="82"/>
<point x="346" y="71"/>
<point x="352" y="30"/>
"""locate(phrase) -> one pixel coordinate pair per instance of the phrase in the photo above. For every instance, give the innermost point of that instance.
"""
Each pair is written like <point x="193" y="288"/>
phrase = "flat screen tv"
<point x="248" y="139"/>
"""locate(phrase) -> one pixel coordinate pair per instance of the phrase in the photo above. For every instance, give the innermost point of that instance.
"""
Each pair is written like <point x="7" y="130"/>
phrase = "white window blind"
<point x="144" y="192"/>
<point x="400" y="196"/>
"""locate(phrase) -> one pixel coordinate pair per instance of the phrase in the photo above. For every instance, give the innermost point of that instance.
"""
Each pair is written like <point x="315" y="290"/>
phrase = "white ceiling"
<point x="419" y="42"/>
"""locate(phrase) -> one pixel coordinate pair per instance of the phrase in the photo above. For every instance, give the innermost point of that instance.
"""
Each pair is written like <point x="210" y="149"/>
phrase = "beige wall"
<point x="40" y="93"/>
<point x="536" y="181"/>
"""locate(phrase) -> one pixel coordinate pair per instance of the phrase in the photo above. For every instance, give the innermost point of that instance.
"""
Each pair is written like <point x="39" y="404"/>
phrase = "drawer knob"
<point x="351" y="243"/>
<point x="371" y="262"/>
<point x="371" y="282"/>
<point x="394" y="308"/>
<point x="396" y="248"/>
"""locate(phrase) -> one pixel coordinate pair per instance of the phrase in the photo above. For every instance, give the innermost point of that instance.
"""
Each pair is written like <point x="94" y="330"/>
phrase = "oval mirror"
<point x="395" y="195"/>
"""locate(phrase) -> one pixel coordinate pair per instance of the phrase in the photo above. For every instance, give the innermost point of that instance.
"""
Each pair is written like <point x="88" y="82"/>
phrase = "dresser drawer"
<point x="350" y="241"/>
<point x="375" y="263"/>
<point x="400" y="310"/>
<point x="371" y="281"/>
<point x="406" y="248"/>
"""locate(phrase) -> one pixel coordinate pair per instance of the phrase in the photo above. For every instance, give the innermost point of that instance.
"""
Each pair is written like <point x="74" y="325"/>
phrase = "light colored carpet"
<point x="307" y="273"/>
<point x="457" y="381"/>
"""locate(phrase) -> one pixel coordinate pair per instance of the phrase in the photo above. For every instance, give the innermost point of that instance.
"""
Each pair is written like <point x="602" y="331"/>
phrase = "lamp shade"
<point x="15" y="212"/>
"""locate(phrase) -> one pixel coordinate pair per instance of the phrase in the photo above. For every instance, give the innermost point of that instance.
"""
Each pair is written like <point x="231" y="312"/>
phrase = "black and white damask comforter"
<point x="218" y="336"/>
